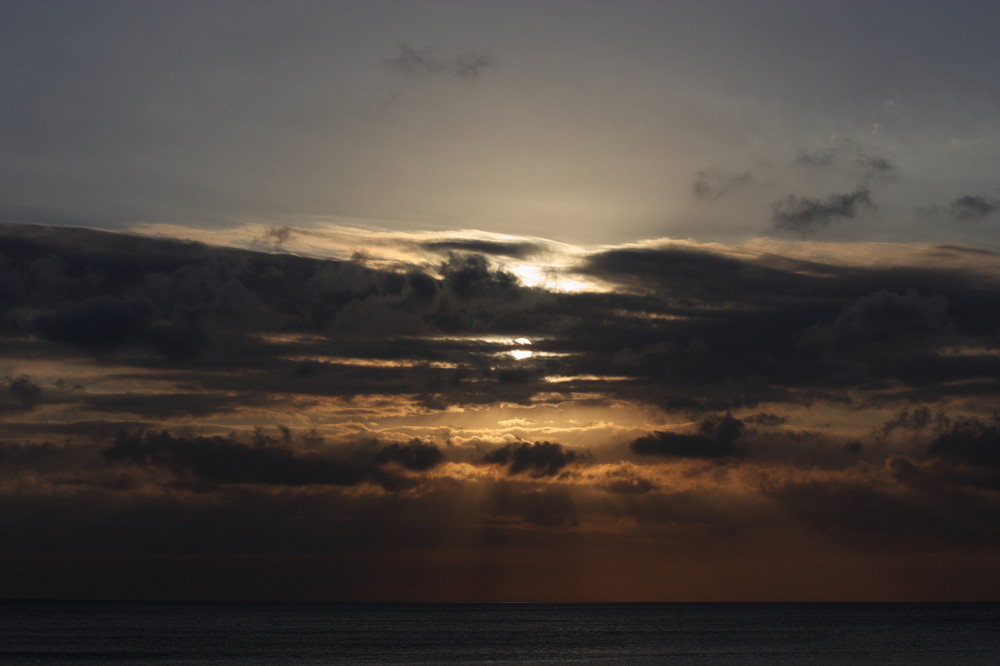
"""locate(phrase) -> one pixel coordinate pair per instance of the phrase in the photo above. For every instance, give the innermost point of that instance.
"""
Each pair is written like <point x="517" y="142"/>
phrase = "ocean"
<point x="39" y="632"/>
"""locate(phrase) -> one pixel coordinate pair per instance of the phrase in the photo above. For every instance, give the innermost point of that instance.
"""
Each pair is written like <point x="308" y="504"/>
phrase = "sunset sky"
<point x="513" y="301"/>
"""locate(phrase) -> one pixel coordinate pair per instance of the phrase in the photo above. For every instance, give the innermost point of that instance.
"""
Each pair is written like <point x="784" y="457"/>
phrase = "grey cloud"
<point x="972" y="208"/>
<point x="412" y="61"/>
<point x="712" y="184"/>
<point x="470" y="65"/>
<point x="821" y="158"/>
<point x="874" y="169"/>
<point x="804" y="216"/>
<point x="851" y="160"/>
<point x="276" y="237"/>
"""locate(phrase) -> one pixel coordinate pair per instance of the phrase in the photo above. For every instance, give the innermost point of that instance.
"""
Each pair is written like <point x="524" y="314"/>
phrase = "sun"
<point x="519" y="352"/>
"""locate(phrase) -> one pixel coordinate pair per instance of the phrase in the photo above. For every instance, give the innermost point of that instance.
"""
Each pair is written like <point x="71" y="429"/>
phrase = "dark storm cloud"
<point x="516" y="250"/>
<point x="972" y="208"/>
<point x="413" y="61"/>
<point x="804" y="215"/>
<point x="716" y="437"/>
<point x="711" y="185"/>
<point x="226" y="460"/>
<point x="538" y="459"/>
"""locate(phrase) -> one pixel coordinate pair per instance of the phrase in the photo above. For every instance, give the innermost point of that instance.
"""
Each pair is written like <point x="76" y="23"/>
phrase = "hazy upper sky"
<point x="580" y="121"/>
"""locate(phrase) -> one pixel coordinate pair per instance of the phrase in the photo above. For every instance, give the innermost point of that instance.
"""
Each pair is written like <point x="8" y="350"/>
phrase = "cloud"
<point x="516" y="250"/>
<point x="227" y="460"/>
<point x="884" y="319"/>
<point x="415" y="455"/>
<point x="193" y="330"/>
<point x="712" y="185"/>
<point x="19" y="394"/>
<point x="538" y="459"/>
<point x="716" y="437"/>
<point x="765" y="419"/>
<point x="177" y="404"/>
<point x="819" y="158"/>
<point x="852" y="161"/>
<point x="804" y="216"/>
<point x="874" y="169"/>
<point x="470" y="276"/>
<point x="412" y="61"/>
<point x="912" y="419"/>
<point x="972" y="208"/>
<point x="470" y="65"/>
<point x="625" y="480"/>
<point x="971" y="440"/>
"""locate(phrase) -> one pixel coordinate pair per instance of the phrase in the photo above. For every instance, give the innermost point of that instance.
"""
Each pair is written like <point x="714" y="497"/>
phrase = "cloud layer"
<point x="710" y="396"/>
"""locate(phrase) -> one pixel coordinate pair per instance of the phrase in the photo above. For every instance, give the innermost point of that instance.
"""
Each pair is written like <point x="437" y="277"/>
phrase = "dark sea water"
<point x="276" y="633"/>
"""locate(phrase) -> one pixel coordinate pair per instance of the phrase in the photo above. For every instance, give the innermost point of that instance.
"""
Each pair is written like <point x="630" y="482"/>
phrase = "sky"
<point x="500" y="301"/>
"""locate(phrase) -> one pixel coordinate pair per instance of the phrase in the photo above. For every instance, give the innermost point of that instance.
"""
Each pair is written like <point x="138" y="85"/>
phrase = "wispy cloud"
<point x="711" y="185"/>
<point x="428" y="61"/>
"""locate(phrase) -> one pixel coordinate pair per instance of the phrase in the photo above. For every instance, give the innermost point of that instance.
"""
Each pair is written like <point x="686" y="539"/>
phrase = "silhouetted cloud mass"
<point x="295" y="407"/>
<point x="538" y="459"/>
